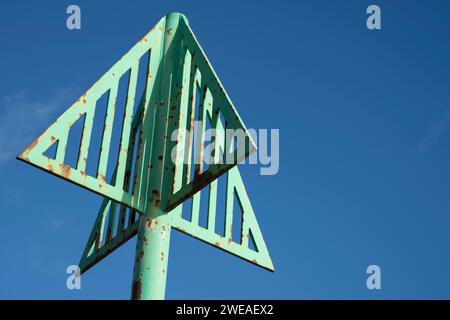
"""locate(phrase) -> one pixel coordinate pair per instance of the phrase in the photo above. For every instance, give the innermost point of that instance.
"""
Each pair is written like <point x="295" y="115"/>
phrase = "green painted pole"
<point x="152" y="249"/>
<point x="152" y="253"/>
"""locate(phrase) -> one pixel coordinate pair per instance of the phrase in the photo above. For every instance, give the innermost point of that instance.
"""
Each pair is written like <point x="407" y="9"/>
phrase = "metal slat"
<point x="127" y="120"/>
<point x="107" y="132"/>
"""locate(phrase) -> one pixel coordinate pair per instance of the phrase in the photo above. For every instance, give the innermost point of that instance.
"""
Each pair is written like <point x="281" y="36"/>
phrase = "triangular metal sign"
<point x="108" y="235"/>
<point x="197" y="73"/>
<point x="194" y="93"/>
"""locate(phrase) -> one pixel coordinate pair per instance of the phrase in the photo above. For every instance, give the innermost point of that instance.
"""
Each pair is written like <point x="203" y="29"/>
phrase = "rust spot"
<point x="160" y="158"/>
<point x="23" y="156"/>
<point x="136" y="290"/>
<point x="52" y="139"/>
<point x="65" y="170"/>
<point x="169" y="31"/>
<point x="217" y="244"/>
<point x="162" y="256"/>
<point x="151" y="224"/>
<point x="108" y="236"/>
<point x="155" y="192"/>
<point x="50" y="167"/>
<point x="32" y="145"/>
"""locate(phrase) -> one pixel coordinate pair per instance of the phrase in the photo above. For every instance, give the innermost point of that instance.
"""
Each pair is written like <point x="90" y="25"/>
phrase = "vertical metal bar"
<point x="229" y="199"/>
<point x="130" y="158"/>
<point x="181" y="140"/>
<point x="200" y="134"/>
<point x="195" y="208"/>
<point x="127" y="120"/>
<point x="139" y="188"/>
<point x="107" y="132"/>
<point x="194" y="141"/>
<point x="62" y="143"/>
<point x="212" y="204"/>
<point x="101" y="229"/>
<point x="86" y="137"/>
<point x="152" y="249"/>
<point x="111" y="222"/>
<point x="190" y="123"/>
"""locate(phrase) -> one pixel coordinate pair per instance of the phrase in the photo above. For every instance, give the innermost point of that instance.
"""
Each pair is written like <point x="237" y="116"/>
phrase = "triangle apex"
<point x="177" y="14"/>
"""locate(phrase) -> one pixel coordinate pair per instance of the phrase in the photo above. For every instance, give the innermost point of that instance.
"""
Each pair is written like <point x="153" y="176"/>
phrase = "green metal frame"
<point x="179" y="77"/>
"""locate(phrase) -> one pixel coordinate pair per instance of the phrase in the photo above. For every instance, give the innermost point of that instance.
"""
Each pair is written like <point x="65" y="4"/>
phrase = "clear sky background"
<point x="364" y="119"/>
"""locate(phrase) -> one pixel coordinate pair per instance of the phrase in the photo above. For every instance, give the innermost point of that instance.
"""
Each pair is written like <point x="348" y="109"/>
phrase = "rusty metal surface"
<point x="148" y="189"/>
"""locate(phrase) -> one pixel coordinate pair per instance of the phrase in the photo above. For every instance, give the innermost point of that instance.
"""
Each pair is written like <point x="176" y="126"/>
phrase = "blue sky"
<point x="364" y="120"/>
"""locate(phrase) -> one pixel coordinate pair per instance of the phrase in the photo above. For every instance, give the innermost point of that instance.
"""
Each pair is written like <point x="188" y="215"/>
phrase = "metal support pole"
<point x="152" y="249"/>
<point x="152" y="253"/>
